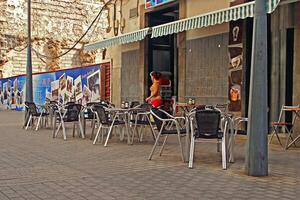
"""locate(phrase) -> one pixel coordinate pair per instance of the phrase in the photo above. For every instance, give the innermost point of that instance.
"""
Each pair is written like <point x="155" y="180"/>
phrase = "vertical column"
<point x="29" y="93"/>
<point x="182" y="54"/>
<point x="257" y="143"/>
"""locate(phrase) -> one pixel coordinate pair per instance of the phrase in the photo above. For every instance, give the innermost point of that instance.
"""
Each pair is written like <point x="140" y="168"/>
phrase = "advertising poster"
<point x="235" y="70"/>
<point x="12" y="92"/>
<point x="54" y="90"/>
<point x="94" y="85"/>
<point x="82" y="84"/>
<point x="70" y="85"/>
<point x="78" y="88"/>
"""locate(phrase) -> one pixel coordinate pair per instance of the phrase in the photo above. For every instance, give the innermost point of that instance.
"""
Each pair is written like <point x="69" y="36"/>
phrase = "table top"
<point x="123" y="109"/>
<point x="185" y="105"/>
<point x="294" y="109"/>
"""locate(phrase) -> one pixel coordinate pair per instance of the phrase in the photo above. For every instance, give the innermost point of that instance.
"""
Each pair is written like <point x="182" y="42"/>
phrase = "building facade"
<point x="211" y="64"/>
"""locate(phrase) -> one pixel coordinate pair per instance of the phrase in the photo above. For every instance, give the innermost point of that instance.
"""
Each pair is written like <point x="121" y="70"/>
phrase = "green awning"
<point x="122" y="39"/>
<point x="208" y="19"/>
<point x="212" y="18"/>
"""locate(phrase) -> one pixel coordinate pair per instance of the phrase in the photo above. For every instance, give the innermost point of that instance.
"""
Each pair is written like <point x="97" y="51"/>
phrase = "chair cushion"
<point x="117" y="122"/>
<point x="219" y="136"/>
<point x="281" y="123"/>
<point x="173" y="131"/>
<point x="38" y="114"/>
<point x="140" y="122"/>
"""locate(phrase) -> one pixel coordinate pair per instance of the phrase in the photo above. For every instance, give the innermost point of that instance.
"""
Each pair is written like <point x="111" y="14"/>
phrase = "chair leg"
<point x="154" y="146"/>
<point x="275" y="132"/>
<point x="289" y="136"/>
<point x="163" y="145"/>
<point x="73" y="130"/>
<point x="54" y="128"/>
<point x="151" y="127"/>
<point x="181" y="148"/>
<point x="81" y="129"/>
<point x="64" y="130"/>
<point x="108" y="135"/>
<point x="97" y="134"/>
<point x="121" y="133"/>
<point x="110" y="131"/>
<point x="231" y="143"/>
<point x="58" y="128"/>
<point x="192" y="151"/>
<point x="102" y="136"/>
<point x="28" y="122"/>
<point x="38" y="123"/>
<point x="224" y="153"/>
<point x="142" y="130"/>
<point x="93" y="129"/>
<point x="133" y="133"/>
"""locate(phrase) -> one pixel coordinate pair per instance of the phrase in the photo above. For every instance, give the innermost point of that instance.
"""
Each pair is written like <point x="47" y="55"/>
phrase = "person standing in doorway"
<point x="155" y="99"/>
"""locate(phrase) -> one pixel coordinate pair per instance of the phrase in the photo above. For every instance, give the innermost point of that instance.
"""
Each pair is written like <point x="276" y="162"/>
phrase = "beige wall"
<point x="114" y="53"/>
<point x="197" y="7"/>
<point x="193" y="7"/>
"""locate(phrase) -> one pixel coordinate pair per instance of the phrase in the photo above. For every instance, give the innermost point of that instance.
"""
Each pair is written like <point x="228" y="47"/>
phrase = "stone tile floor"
<point x="33" y="165"/>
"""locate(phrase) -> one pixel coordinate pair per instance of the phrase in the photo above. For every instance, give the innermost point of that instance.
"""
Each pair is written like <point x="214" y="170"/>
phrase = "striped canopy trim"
<point x="208" y="19"/>
<point x="212" y="18"/>
<point x="122" y="39"/>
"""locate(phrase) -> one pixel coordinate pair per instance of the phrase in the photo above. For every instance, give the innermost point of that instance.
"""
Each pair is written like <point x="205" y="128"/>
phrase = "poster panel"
<point x="80" y="84"/>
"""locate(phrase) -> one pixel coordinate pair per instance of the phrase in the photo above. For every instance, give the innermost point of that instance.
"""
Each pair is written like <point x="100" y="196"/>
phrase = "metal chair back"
<point x="101" y="113"/>
<point x="207" y="123"/>
<point x="158" y="116"/>
<point x="134" y="104"/>
<point x="31" y="108"/>
<point x="73" y="112"/>
<point x="89" y="114"/>
<point x="222" y="107"/>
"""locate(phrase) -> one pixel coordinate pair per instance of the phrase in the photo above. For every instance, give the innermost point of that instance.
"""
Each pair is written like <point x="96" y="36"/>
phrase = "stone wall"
<point x="17" y="62"/>
<point x="56" y="26"/>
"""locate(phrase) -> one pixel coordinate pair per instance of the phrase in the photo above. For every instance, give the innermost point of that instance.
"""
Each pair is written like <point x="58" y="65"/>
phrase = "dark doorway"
<point x="162" y="51"/>
<point x="289" y="71"/>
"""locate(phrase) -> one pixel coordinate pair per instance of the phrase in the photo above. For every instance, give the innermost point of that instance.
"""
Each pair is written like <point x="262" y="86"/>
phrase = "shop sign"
<point x="153" y="3"/>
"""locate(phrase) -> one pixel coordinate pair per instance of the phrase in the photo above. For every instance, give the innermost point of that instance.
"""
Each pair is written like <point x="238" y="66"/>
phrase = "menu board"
<point x="153" y="3"/>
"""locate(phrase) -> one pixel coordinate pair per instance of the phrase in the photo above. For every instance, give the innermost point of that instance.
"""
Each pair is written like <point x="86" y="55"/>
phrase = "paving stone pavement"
<point x="33" y="165"/>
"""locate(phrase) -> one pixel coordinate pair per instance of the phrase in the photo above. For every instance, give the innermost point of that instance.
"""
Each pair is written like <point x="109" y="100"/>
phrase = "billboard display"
<point x="153" y="3"/>
<point x="83" y="84"/>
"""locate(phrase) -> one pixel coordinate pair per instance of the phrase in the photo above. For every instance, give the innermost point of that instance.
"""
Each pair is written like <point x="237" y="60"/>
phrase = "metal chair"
<point x="222" y="107"/>
<point x="71" y="113"/>
<point x="33" y="113"/>
<point x="283" y="125"/>
<point x="134" y="104"/>
<point x="238" y="122"/>
<point x="140" y="118"/>
<point x="88" y="114"/>
<point x="104" y="122"/>
<point x="208" y="128"/>
<point x="162" y="119"/>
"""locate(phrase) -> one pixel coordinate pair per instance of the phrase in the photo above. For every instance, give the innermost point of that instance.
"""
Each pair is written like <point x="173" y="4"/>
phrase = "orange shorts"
<point x="156" y="103"/>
